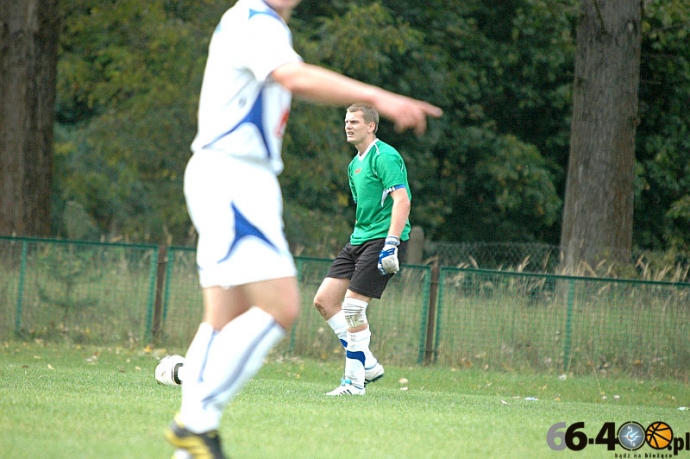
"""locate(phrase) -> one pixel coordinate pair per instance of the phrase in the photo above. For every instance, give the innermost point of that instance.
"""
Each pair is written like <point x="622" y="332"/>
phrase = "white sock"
<point x="219" y="364"/>
<point x="194" y="359"/>
<point x="339" y="326"/>
<point x="357" y="343"/>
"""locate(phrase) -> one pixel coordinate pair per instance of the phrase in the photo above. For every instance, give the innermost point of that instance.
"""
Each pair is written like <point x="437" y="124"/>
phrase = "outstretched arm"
<point x="322" y="85"/>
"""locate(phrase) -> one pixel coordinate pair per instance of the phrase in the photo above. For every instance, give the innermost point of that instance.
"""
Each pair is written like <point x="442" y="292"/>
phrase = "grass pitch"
<point x="65" y="401"/>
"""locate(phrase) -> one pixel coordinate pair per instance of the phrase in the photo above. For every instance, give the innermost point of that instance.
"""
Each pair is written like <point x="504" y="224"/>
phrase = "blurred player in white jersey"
<point x="246" y="271"/>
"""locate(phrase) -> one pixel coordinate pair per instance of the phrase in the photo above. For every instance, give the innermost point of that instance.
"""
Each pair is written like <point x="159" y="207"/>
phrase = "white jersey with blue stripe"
<point x="242" y="110"/>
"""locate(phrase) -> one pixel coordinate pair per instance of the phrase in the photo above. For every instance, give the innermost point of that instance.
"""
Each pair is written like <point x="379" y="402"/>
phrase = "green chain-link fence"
<point x="127" y="294"/>
<point x="77" y="291"/>
<point x="510" y="320"/>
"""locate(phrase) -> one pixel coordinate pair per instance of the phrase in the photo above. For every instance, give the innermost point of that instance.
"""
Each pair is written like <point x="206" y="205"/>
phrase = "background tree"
<point x="128" y="86"/>
<point x="598" y="212"/>
<point x="662" y="176"/>
<point x="471" y="180"/>
<point x="492" y="169"/>
<point x="28" y="58"/>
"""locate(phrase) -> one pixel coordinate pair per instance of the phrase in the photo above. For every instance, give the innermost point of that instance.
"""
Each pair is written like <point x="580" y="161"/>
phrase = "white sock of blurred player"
<point x="219" y="363"/>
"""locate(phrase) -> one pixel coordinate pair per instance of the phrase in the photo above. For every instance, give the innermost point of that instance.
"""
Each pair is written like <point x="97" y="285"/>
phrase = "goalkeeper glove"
<point x="388" y="258"/>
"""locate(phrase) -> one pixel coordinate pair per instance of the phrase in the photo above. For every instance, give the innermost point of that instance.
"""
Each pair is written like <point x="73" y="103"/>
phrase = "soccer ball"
<point x="168" y="370"/>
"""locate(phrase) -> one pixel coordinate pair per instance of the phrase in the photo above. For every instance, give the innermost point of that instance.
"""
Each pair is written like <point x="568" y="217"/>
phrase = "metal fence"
<point x="76" y="291"/>
<point x="548" y="323"/>
<point x="132" y="295"/>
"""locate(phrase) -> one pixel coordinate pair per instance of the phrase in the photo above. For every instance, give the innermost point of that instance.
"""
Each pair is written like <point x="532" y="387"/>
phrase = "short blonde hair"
<point x="369" y="113"/>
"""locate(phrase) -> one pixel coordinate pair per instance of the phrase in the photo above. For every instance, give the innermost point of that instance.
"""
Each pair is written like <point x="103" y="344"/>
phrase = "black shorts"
<point x="359" y="263"/>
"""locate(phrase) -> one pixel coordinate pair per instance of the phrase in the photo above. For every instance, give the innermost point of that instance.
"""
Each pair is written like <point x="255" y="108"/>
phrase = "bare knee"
<point x="329" y="296"/>
<point x="289" y="310"/>
<point x="319" y="304"/>
<point x="326" y="305"/>
<point x="278" y="297"/>
<point x="284" y="313"/>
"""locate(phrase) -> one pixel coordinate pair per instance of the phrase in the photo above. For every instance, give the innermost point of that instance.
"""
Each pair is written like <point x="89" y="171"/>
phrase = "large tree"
<point x="492" y="169"/>
<point x="28" y="59"/>
<point x="598" y="212"/>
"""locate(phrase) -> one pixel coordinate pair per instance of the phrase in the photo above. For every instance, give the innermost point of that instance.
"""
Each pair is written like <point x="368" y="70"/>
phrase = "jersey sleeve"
<point x="390" y="168"/>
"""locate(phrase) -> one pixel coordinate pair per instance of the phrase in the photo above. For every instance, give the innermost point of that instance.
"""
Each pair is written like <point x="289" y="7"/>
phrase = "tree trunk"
<point x="598" y="212"/>
<point x="28" y="66"/>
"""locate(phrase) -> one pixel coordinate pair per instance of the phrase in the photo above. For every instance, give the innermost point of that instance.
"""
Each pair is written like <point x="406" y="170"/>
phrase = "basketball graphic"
<point x="659" y="435"/>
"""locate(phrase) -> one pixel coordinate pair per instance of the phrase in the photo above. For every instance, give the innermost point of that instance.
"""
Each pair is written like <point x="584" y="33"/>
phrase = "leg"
<point x="330" y="296"/>
<point x="358" y="338"/>
<point x="328" y="301"/>
<point x="361" y="367"/>
<point x="231" y="344"/>
<point x="277" y="297"/>
<point x="228" y="350"/>
<point x="332" y="290"/>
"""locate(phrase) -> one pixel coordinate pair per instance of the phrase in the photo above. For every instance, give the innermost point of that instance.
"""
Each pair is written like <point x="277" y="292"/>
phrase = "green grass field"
<point x="59" y="401"/>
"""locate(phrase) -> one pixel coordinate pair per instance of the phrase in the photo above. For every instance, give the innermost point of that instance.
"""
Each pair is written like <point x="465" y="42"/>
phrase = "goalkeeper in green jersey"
<point x="361" y="271"/>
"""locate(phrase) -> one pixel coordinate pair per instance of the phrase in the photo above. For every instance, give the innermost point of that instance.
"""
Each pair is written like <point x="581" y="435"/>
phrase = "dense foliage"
<point x="492" y="169"/>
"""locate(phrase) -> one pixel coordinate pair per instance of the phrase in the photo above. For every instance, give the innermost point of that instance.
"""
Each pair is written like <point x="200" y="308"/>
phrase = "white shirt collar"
<point x="368" y="149"/>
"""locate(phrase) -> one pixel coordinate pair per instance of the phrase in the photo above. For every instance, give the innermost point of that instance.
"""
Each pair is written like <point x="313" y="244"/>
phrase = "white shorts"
<point x="237" y="209"/>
